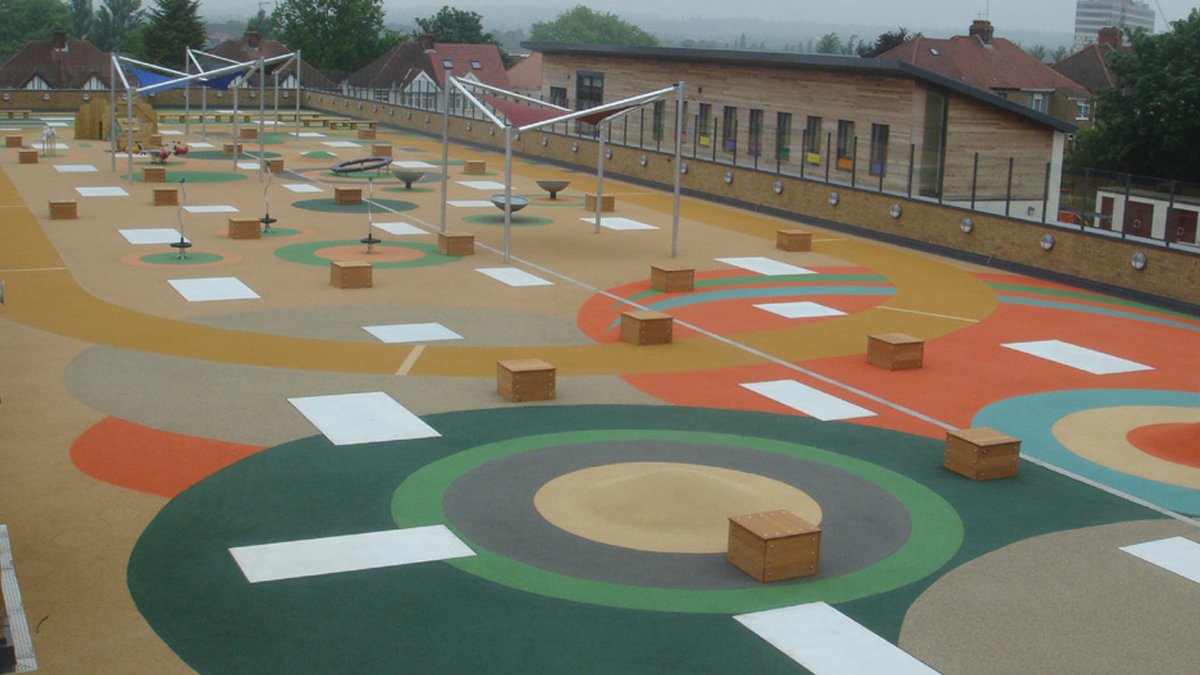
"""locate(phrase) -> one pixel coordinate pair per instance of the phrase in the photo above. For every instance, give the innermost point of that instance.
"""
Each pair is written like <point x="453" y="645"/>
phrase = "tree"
<point x="1149" y="124"/>
<point x="1038" y="52"/>
<point x="886" y="41"/>
<point x="342" y="35"/>
<point x="262" y="23"/>
<point x="116" y="24"/>
<point x="26" y="20"/>
<point x="82" y="17"/>
<point x="455" y="25"/>
<point x="829" y="43"/>
<point x="174" y="26"/>
<point x="582" y="25"/>
<point x="1059" y="53"/>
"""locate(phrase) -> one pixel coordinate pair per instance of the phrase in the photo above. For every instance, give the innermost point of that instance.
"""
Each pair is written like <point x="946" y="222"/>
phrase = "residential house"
<point x="997" y="65"/>
<point x="878" y="122"/>
<point x="251" y="46"/>
<point x="57" y="63"/>
<point x="526" y="75"/>
<point x="1089" y="66"/>
<point x="413" y="73"/>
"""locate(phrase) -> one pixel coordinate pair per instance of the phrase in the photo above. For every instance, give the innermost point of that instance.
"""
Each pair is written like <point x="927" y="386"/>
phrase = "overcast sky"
<point x="1042" y="15"/>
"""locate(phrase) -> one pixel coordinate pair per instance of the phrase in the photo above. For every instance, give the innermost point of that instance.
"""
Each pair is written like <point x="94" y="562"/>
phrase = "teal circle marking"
<point x="520" y="220"/>
<point x="281" y="232"/>
<point x="173" y="259"/>
<point x="318" y="154"/>
<point x="937" y="531"/>
<point x="306" y="253"/>
<point x="402" y="189"/>
<point x="174" y="176"/>
<point x="327" y="205"/>
<point x="248" y="148"/>
<point x="543" y="199"/>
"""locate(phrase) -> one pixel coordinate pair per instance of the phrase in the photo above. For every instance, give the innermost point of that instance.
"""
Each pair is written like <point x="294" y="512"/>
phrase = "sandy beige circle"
<point x="1100" y="435"/>
<point x="666" y="507"/>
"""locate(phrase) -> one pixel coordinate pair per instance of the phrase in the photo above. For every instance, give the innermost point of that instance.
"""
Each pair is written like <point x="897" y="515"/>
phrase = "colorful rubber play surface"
<point x="289" y="452"/>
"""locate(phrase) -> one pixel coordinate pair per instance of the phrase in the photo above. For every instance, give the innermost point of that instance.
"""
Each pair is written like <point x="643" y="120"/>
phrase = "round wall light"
<point x="834" y="198"/>
<point x="683" y="167"/>
<point x="545" y="141"/>
<point x="778" y="187"/>
<point x="1047" y="241"/>
<point x="642" y="160"/>
<point x="967" y="225"/>
<point x="608" y="153"/>
<point x="574" y="147"/>
<point x="491" y="131"/>
<point x="895" y="210"/>
<point x="1138" y="261"/>
<point x="468" y="126"/>
<point x="728" y="176"/>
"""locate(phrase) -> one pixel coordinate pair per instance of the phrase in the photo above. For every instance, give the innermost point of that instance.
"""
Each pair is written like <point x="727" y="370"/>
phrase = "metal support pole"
<point x="912" y="159"/>
<point x="1045" y="191"/>
<point x="600" y="177"/>
<point x="853" y="160"/>
<point x="187" y="98"/>
<point x="508" y="140"/>
<point x="1168" y="232"/>
<point x="446" y="158"/>
<point x="828" y="154"/>
<point x="112" y="111"/>
<point x="298" y="94"/>
<point x="129" y="121"/>
<point x="974" y="179"/>
<point x="262" y="119"/>
<point x="204" y="113"/>
<point x="236" y="87"/>
<point x="1008" y="189"/>
<point x="678" y="170"/>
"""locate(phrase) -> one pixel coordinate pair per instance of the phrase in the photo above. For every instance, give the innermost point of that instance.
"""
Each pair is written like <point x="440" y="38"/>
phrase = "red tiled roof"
<point x="238" y="50"/>
<point x="1089" y="67"/>
<point x="402" y="62"/>
<point x="998" y="65"/>
<point x="70" y="68"/>
<point x="526" y="75"/>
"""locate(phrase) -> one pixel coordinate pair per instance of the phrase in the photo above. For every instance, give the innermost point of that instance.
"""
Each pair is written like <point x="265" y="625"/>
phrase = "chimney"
<point x="251" y="38"/>
<point x="58" y="40"/>
<point x="427" y="41"/>
<point x="1110" y="36"/>
<point x="982" y="29"/>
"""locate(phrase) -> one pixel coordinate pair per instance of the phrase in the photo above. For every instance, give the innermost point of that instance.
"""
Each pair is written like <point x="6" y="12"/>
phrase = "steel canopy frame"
<point x="618" y="108"/>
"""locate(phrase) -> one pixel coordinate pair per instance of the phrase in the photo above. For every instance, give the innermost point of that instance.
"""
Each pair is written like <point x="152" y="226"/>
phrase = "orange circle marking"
<point x="1177" y="442"/>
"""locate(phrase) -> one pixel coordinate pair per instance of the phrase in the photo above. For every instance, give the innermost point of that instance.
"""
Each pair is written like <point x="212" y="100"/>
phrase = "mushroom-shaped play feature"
<point x="518" y="203"/>
<point x="553" y="186"/>
<point x="407" y="176"/>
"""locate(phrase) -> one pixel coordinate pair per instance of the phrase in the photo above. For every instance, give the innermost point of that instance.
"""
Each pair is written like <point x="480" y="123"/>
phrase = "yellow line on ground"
<point x="410" y="360"/>
<point x="940" y="316"/>
<point x="35" y="269"/>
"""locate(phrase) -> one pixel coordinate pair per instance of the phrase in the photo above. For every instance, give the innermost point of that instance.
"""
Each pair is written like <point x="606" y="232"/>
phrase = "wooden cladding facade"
<point x="756" y="94"/>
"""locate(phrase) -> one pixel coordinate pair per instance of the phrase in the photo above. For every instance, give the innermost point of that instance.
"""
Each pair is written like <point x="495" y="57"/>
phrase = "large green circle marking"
<point x="937" y="531"/>
<point x="174" y="176"/>
<point x="306" y="253"/>
<point x="498" y="219"/>
<point x="330" y="206"/>
<point x="174" y="259"/>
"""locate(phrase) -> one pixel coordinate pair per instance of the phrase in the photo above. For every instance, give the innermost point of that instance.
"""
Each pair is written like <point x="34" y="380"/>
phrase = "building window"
<point x="933" y="147"/>
<point x="812" y="140"/>
<point x="1038" y="102"/>
<point x="704" y="124"/>
<point x="879" y="149"/>
<point x="589" y="93"/>
<point x="729" y="128"/>
<point x="845" y="145"/>
<point x="476" y="65"/>
<point x="447" y="64"/>
<point x="558" y="96"/>
<point x="657" y="119"/>
<point x="783" y="136"/>
<point x="36" y="83"/>
<point x="755" y="140"/>
<point x="1083" y="110"/>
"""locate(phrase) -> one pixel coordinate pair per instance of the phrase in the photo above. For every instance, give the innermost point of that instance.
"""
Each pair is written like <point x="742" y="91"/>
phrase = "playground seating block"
<point x="368" y="124"/>
<point x="380" y="149"/>
<point x="367" y="135"/>
<point x="155" y="141"/>
<point x="312" y="122"/>
<point x="244" y="228"/>
<point x="27" y="156"/>
<point x="230" y="149"/>
<point x="350" y="274"/>
<point x="895" y="351"/>
<point x="17" y="114"/>
<point x="248" y="133"/>
<point x="474" y="167"/>
<point x="793" y="240"/>
<point x="64" y="209"/>
<point x="275" y="165"/>
<point x="456" y="243"/>
<point x="774" y="545"/>
<point x="347" y="196"/>
<point x="608" y="203"/>
<point x="982" y="453"/>
<point x="525" y="380"/>
<point x="646" y="327"/>
<point x="672" y="278"/>
<point x="166" y="196"/>
<point x="13" y="141"/>
<point x="154" y="174"/>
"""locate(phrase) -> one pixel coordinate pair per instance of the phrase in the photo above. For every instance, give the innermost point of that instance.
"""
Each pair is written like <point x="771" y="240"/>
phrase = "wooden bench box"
<point x="982" y="453"/>
<point x="230" y="149"/>
<point x="608" y="203"/>
<point x="244" y="228"/>
<point x="793" y="240"/>
<point x="248" y="133"/>
<point x="154" y="174"/>
<point x="381" y="149"/>
<point x="64" y="209"/>
<point x="774" y="545"/>
<point x="456" y="243"/>
<point x="474" y="167"/>
<point x="275" y="165"/>
<point x="350" y="274"/>
<point x="525" y="380"/>
<point x="155" y="141"/>
<point x="166" y="196"/>
<point x="347" y="196"/>
<point x="369" y="135"/>
<point x="672" y="278"/>
<point x="13" y="141"/>
<point x="646" y="327"/>
<point x="895" y="351"/>
<point x="27" y="156"/>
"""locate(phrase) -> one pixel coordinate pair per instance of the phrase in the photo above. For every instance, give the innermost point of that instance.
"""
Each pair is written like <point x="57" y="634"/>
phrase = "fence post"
<point x="713" y="139"/>
<point x="695" y="134"/>
<point x="1008" y="188"/>
<point x="803" y="150"/>
<point x="912" y="160"/>
<point x="1170" y="207"/>
<point x="974" y="178"/>
<point x="1128" y="187"/>
<point x="1046" y="193"/>
<point x="853" y="160"/>
<point x="828" y="140"/>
